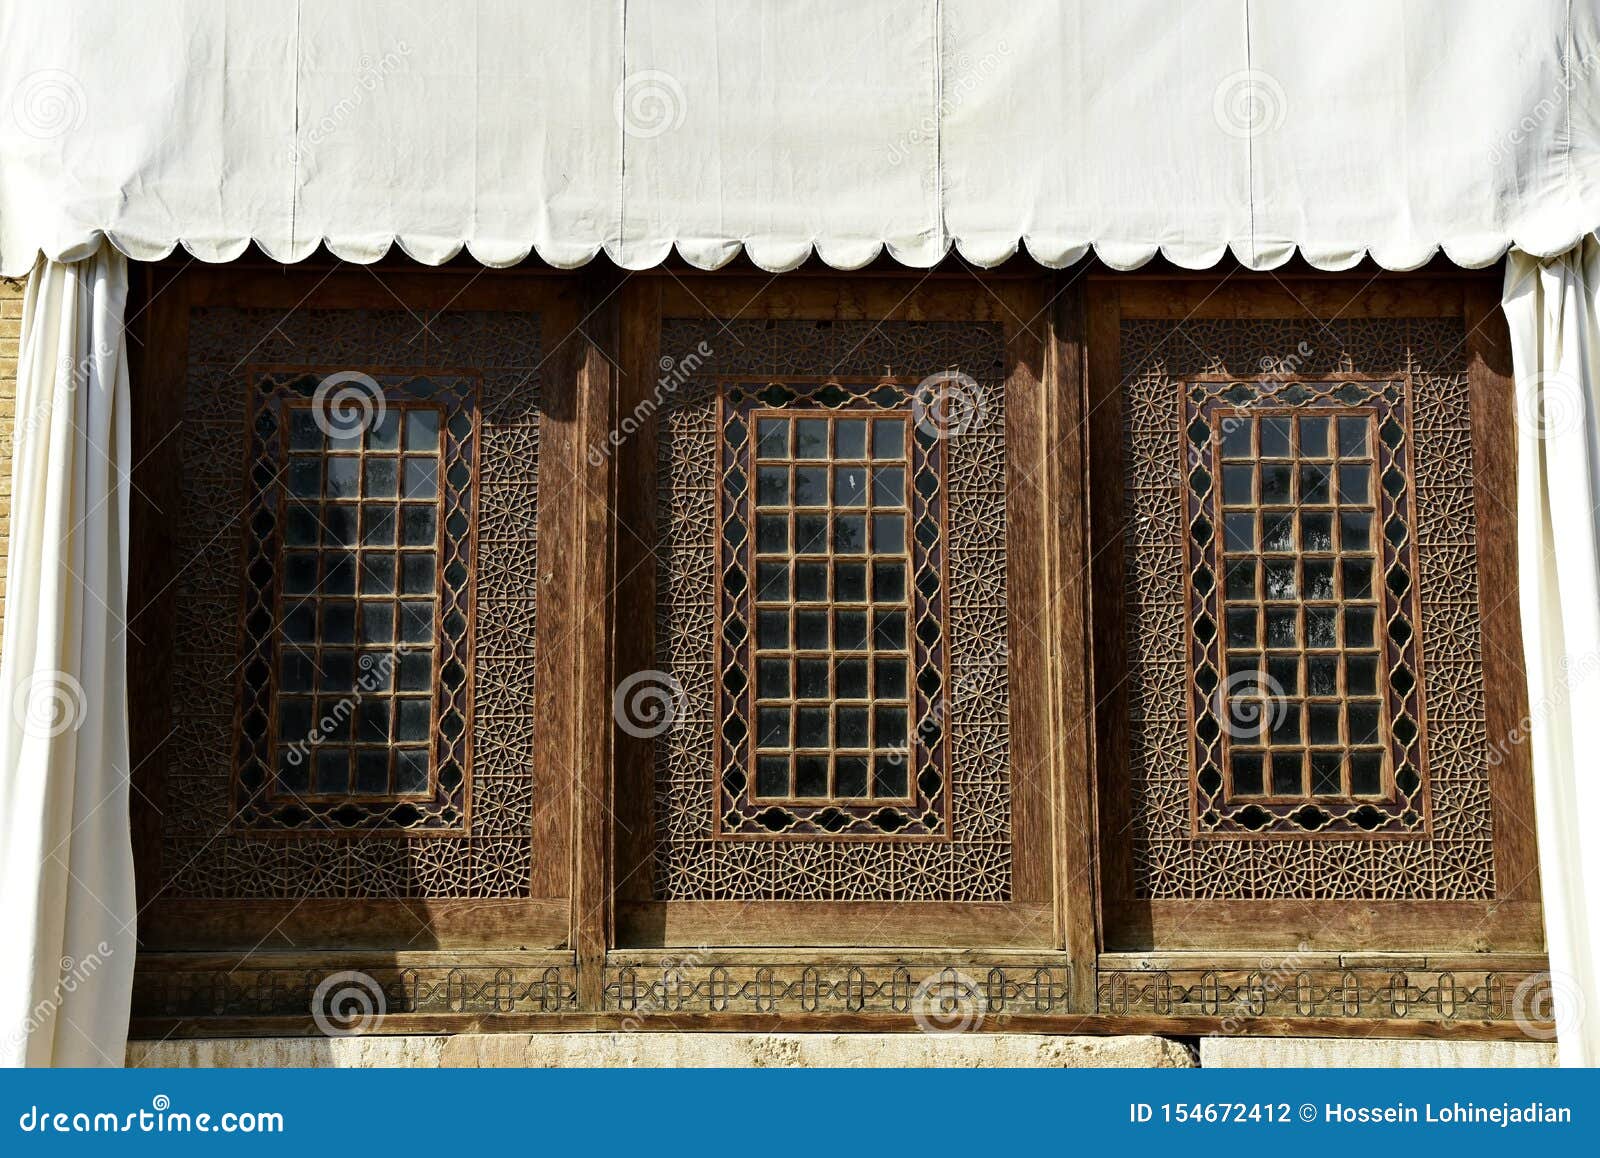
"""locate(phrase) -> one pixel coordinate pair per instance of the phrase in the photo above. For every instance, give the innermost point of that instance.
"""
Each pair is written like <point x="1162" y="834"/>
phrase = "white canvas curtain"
<point x="66" y="860"/>
<point x="1553" y="307"/>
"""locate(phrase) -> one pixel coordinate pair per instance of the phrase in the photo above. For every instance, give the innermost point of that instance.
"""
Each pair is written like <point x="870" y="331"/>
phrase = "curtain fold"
<point x="66" y="858"/>
<point x="1553" y="307"/>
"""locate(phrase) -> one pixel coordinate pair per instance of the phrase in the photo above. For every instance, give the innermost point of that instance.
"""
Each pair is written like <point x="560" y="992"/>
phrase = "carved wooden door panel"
<point x="839" y="491"/>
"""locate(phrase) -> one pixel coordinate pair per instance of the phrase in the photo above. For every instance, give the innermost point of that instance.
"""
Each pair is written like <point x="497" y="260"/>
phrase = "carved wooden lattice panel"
<point x="846" y="826"/>
<point x="1264" y="761"/>
<point x="465" y="832"/>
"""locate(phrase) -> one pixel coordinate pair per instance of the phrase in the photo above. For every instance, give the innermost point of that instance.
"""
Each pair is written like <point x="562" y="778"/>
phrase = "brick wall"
<point x="10" y="335"/>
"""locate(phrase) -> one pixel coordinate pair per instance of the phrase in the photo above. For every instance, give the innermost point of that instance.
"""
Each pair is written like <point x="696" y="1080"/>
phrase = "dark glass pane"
<point x="772" y="581"/>
<point x="1353" y="437"/>
<point x="1316" y="531"/>
<point x="303" y="529"/>
<point x="811" y="678"/>
<point x="1322" y="675"/>
<point x="1366" y="773"/>
<point x="811" y="438"/>
<point x="1242" y="627"/>
<point x="419" y="526"/>
<point x="1355" y="532"/>
<point x="850" y="582"/>
<point x="1240" y="532"/>
<point x="1277" y="483"/>
<point x="304" y="433"/>
<point x="413" y="718"/>
<point x="299" y="573"/>
<point x="294" y="719"/>
<point x="889" y="534"/>
<point x="1314" y="486"/>
<point x="337" y="671"/>
<point x="811" y="486"/>
<point x="422" y="430"/>
<point x="1238" y="484"/>
<point x="811" y="776"/>
<point x="850" y="679"/>
<point x="1358" y="623"/>
<point x="850" y="533"/>
<point x="1285" y="720"/>
<point x="888" y="582"/>
<point x="296" y="672"/>
<point x="1319" y="578"/>
<point x="889" y="486"/>
<point x="335" y="717"/>
<point x="1283" y="626"/>
<point x="411" y="770"/>
<point x="1363" y="717"/>
<point x="1324" y="720"/>
<point x="1355" y="484"/>
<point x="890" y="727"/>
<point x="1325" y="773"/>
<point x="811" y="534"/>
<point x="379" y="530"/>
<point x="811" y="729"/>
<point x="1283" y="674"/>
<point x="889" y="678"/>
<point x="811" y="629"/>
<point x="305" y="477"/>
<point x="888" y="438"/>
<point x="1322" y="627"/>
<point x="1286" y="773"/>
<point x="384" y="432"/>
<point x="850" y="486"/>
<point x="339" y="524"/>
<point x="1282" y="579"/>
<point x="772" y="678"/>
<point x="372" y="773"/>
<point x="850" y="630"/>
<point x="772" y="533"/>
<point x="1275" y="437"/>
<point x="1246" y="768"/>
<point x="377" y="622"/>
<point x="1361" y="675"/>
<point x="1314" y="437"/>
<point x="811" y="582"/>
<point x="772" y="441"/>
<point x="772" y="776"/>
<point x="1241" y="578"/>
<point x="416" y="672"/>
<point x="850" y="776"/>
<point x="417" y="575"/>
<point x="1236" y="438"/>
<point x="772" y="629"/>
<point x="850" y="438"/>
<point x="333" y="772"/>
<point x="344" y="478"/>
<point x="1357" y="578"/>
<point x="300" y="623"/>
<point x="338" y="622"/>
<point x="422" y="478"/>
<point x="889" y="630"/>
<point x="852" y="725"/>
<point x="772" y="486"/>
<point x="378" y="575"/>
<point x="1277" y="532"/>
<point x="888" y="775"/>
<point x="373" y="727"/>
<point x="382" y="480"/>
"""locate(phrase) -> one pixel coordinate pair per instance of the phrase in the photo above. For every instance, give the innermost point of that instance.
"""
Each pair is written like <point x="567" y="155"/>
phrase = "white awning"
<point x="844" y="127"/>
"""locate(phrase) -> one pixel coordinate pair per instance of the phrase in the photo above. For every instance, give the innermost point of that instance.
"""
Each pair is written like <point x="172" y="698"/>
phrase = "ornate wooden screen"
<point x="353" y="593"/>
<point x="1296" y="532"/>
<point x="833" y="578"/>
